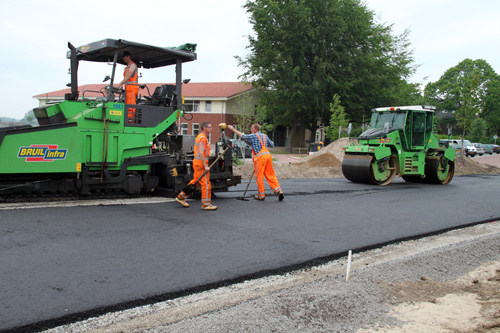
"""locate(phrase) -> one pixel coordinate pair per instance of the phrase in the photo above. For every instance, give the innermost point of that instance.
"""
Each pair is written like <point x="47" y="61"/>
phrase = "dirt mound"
<point x="466" y="166"/>
<point x="296" y="170"/>
<point x="335" y="148"/>
<point x="323" y="160"/>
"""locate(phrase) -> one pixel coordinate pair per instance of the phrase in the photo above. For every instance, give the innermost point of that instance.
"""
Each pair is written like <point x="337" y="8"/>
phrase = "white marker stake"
<point x="348" y="273"/>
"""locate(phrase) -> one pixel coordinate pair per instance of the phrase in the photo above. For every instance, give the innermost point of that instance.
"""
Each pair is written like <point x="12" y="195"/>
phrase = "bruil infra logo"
<point x="42" y="153"/>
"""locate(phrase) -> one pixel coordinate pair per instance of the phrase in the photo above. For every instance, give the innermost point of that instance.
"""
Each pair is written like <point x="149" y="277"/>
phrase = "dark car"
<point x="444" y="143"/>
<point x="488" y="148"/>
<point x="496" y="149"/>
<point x="240" y="147"/>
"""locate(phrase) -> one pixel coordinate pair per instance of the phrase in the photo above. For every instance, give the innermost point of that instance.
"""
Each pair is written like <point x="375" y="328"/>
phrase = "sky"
<point x="34" y="36"/>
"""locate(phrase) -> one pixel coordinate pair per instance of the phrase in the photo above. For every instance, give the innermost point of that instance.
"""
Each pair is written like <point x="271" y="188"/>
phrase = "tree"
<point x="478" y="130"/>
<point x="337" y="119"/>
<point x="245" y="107"/>
<point x="304" y="52"/>
<point x="469" y="88"/>
<point x="491" y="107"/>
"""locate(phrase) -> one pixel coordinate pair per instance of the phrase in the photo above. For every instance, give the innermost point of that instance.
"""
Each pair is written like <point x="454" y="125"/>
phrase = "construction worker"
<point x="200" y="165"/>
<point x="263" y="161"/>
<point x="131" y="84"/>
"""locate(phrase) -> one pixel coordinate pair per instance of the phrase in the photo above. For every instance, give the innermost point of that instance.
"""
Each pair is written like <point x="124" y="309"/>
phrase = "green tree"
<point x="29" y="116"/>
<point x="338" y="119"/>
<point x="245" y="107"/>
<point x="491" y="106"/>
<point x="469" y="108"/>
<point x="478" y="130"/>
<point x="468" y="89"/>
<point x="304" y="52"/>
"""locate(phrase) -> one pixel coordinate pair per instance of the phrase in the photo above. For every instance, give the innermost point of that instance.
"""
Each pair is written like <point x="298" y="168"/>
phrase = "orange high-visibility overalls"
<point x="201" y="142"/>
<point x="263" y="163"/>
<point x="131" y="92"/>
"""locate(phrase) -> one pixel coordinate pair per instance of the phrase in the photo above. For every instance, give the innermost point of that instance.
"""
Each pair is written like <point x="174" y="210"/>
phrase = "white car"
<point x="480" y="148"/>
<point x="469" y="148"/>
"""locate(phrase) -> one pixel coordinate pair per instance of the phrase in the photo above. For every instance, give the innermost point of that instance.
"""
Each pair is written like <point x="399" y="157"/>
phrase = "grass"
<point x="238" y="161"/>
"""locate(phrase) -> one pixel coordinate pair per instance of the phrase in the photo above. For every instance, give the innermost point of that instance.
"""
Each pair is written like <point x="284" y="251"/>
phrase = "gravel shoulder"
<point x="444" y="283"/>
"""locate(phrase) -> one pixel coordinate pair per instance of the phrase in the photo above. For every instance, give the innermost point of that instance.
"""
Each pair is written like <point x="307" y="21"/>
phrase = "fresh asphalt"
<point x="63" y="264"/>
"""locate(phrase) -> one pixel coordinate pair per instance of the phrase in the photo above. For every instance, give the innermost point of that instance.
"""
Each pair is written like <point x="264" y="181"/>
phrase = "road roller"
<point x="399" y="142"/>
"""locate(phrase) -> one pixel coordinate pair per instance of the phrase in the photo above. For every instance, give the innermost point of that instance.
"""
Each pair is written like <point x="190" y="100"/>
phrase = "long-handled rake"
<point x="244" y="193"/>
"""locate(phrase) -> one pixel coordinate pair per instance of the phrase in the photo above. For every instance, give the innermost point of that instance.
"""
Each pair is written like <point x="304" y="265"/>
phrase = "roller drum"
<point x="357" y="169"/>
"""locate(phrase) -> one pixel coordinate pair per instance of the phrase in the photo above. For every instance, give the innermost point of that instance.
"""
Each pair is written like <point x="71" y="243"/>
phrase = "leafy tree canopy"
<point x="471" y="88"/>
<point x="304" y="52"/>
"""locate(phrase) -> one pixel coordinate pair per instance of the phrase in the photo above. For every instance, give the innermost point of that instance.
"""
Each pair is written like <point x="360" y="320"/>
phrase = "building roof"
<point x="190" y="90"/>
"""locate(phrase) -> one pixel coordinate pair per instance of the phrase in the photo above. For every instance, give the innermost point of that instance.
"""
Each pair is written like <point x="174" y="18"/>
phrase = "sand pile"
<point x="466" y="166"/>
<point x="323" y="160"/>
<point x="336" y="147"/>
<point x="299" y="170"/>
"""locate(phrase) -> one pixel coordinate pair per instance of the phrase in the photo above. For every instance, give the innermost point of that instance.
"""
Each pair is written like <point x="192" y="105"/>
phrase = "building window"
<point x="196" y="129"/>
<point x="184" y="129"/>
<point x="208" y="106"/>
<point x="192" y="106"/>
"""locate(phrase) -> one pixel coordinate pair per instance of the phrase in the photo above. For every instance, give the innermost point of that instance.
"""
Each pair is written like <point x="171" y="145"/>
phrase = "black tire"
<point x="439" y="170"/>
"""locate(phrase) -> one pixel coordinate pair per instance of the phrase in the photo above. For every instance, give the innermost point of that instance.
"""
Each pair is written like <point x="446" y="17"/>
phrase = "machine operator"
<point x="130" y="82"/>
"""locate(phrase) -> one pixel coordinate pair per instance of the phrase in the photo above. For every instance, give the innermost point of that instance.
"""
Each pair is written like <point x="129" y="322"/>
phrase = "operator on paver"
<point x="200" y="165"/>
<point x="262" y="159"/>
<point x="130" y="82"/>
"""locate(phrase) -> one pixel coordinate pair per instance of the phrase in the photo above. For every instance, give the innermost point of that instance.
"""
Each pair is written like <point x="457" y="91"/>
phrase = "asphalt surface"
<point x="63" y="264"/>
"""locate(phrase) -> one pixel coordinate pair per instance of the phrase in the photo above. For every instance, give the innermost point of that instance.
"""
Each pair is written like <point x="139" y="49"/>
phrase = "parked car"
<point x="488" y="148"/>
<point x="480" y="148"/>
<point x="456" y="147"/>
<point x="469" y="149"/>
<point x="444" y="143"/>
<point x="240" y="147"/>
<point x="496" y="149"/>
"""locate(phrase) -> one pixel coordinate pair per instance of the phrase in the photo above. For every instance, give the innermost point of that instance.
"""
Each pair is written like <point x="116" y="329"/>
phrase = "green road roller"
<point x="400" y="142"/>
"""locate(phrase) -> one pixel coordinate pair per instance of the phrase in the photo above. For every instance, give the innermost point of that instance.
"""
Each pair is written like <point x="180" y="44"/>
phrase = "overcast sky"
<point x="34" y="37"/>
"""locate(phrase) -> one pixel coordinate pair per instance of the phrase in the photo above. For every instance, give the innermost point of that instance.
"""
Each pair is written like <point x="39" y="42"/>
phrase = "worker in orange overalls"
<point x="131" y="84"/>
<point x="263" y="161"/>
<point x="200" y="165"/>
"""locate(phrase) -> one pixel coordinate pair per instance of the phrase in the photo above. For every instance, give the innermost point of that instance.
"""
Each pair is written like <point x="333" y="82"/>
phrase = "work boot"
<point x="182" y="202"/>
<point x="256" y="197"/>
<point x="281" y="196"/>
<point x="209" y="207"/>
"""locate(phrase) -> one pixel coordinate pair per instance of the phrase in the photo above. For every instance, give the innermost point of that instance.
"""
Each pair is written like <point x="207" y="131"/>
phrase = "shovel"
<point x="243" y="197"/>
<point x="190" y="188"/>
